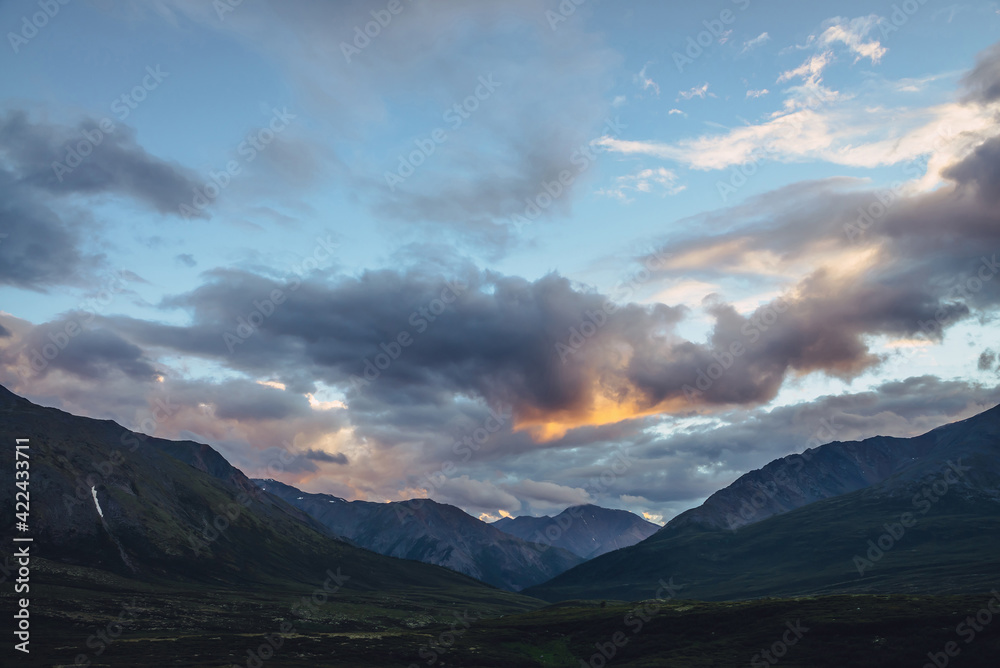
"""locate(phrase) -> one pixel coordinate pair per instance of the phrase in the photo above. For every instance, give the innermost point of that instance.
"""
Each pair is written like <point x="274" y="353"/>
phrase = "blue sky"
<point x="726" y="145"/>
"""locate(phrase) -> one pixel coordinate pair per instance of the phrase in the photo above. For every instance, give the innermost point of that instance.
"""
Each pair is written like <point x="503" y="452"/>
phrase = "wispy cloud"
<point x="853" y="33"/>
<point x="697" y="91"/>
<point x="645" y="81"/>
<point x="762" y="38"/>
<point x="660" y="180"/>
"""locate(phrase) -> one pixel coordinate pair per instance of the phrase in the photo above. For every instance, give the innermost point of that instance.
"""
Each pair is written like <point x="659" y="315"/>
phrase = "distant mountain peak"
<point x="587" y="530"/>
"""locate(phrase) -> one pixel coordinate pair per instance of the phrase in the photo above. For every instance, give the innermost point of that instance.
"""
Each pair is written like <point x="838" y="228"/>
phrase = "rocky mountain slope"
<point x="435" y="533"/>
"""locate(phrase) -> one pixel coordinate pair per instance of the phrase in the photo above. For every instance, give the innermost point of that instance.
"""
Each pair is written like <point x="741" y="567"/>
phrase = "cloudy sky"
<point x="509" y="255"/>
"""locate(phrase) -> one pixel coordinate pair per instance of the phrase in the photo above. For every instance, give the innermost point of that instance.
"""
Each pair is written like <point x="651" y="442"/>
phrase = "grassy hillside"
<point x="953" y="548"/>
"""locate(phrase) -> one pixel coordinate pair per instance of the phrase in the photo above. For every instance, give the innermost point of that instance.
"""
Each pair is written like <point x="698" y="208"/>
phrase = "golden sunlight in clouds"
<point x="272" y="383"/>
<point x="604" y="410"/>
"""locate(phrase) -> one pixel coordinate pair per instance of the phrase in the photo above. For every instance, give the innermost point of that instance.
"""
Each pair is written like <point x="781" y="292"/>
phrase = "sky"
<point x="512" y="256"/>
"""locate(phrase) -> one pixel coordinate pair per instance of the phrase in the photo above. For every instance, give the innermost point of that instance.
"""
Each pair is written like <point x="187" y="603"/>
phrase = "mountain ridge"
<point x="432" y="532"/>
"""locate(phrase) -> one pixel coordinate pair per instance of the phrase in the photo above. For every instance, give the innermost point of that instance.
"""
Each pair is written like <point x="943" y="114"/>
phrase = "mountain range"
<point x="110" y="500"/>
<point x="434" y="533"/>
<point x="885" y="514"/>
<point x="587" y="531"/>
<point x="899" y="535"/>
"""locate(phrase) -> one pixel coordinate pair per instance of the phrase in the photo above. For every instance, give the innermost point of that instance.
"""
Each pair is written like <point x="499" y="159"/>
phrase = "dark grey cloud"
<point x="115" y="162"/>
<point x="38" y="249"/>
<point x="324" y="456"/>
<point x="498" y="340"/>
<point x="91" y="354"/>
<point x="186" y="259"/>
<point x="980" y="171"/>
<point x="987" y="360"/>
<point x="983" y="81"/>
<point x="44" y="240"/>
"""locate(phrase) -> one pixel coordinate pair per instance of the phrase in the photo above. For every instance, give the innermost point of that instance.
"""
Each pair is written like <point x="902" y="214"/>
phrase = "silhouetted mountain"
<point x="434" y="533"/>
<point x="147" y="508"/>
<point x="587" y="531"/>
<point x="944" y="484"/>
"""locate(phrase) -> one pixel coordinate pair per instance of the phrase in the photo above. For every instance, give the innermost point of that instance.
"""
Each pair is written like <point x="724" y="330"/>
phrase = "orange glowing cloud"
<point x="549" y="426"/>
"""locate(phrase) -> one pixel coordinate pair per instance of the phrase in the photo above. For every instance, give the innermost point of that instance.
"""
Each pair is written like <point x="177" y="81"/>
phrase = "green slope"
<point x="953" y="548"/>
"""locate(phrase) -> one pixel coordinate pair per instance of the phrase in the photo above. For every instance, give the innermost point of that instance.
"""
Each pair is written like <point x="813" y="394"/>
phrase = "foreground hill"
<point x="587" y="531"/>
<point x="933" y="523"/>
<point x="822" y="632"/>
<point x="434" y="533"/>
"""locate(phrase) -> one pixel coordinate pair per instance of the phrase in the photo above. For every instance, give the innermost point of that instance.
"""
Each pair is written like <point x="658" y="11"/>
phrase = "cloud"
<point x="47" y="237"/>
<point x="811" y="71"/>
<point x="852" y="33"/>
<point x="39" y="250"/>
<point x="186" y="259"/>
<point x="559" y="356"/>
<point x="476" y="495"/>
<point x="760" y="39"/>
<point x="645" y="81"/>
<point x="323" y="456"/>
<point x="644" y="181"/>
<point x="697" y="91"/>
<point x="550" y="493"/>
<point x="757" y="93"/>
<point x="837" y="131"/>
<point x="115" y="163"/>
<point x="547" y="105"/>
<point x="982" y="83"/>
